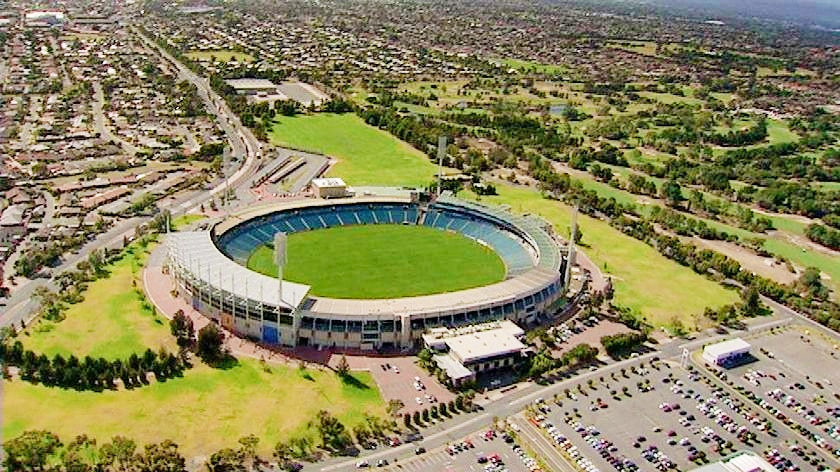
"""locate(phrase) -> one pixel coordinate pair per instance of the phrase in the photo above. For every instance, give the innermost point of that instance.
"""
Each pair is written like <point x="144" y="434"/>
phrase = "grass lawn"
<point x="366" y="155"/>
<point x="220" y="55"/>
<point x="383" y="261"/>
<point x="112" y="322"/>
<point x="531" y="66"/>
<point x="670" y="98"/>
<point x="203" y="411"/>
<point x="185" y="220"/>
<point x="778" y="132"/>
<point x="646" y="48"/>
<point x="651" y="285"/>
<point x="806" y="258"/>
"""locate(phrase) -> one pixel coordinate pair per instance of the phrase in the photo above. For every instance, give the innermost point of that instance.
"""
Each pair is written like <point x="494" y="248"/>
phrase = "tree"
<point x="672" y="193"/>
<point x="227" y="460"/>
<point x="249" y="446"/>
<point x="752" y="302"/>
<point x="407" y="420"/>
<point x="210" y="344"/>
<point x="76" y="457"/>
<point x="333" y="433"/>
<point x="343" y="368"/>
<point x="810" y="280"/>
<point x="282" y="452"/>
<point x="30" y="450"/>
<point x="162" y="457"/>
<point x="182" y="328"/>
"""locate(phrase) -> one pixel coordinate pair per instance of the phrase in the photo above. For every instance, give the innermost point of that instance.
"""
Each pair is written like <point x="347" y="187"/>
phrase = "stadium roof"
<point x="725" y="348"/>
<point x="196" y="251"/>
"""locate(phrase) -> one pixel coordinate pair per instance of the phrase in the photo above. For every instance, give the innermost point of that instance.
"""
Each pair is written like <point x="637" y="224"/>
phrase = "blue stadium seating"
<point x="331" y="219"/>
<point x="241" y="241"/>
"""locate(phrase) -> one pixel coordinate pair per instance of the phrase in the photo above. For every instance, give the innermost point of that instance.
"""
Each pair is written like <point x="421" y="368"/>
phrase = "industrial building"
<point x="726" y="353"/>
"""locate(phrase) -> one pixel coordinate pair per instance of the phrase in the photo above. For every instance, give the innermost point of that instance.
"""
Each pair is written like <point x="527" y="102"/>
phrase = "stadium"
<point x="333" y="305"/>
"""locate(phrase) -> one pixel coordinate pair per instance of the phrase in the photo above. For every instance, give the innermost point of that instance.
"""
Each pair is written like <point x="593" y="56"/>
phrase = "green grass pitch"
<point x="383" y="261"/>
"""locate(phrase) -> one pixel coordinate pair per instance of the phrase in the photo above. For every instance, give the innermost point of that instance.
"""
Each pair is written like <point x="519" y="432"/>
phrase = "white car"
<point x="418" y="400"/>
<point x="362" y="464"/>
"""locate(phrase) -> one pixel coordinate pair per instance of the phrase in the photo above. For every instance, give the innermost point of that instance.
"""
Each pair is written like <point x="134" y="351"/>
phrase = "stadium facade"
<point x="209" y="270"/>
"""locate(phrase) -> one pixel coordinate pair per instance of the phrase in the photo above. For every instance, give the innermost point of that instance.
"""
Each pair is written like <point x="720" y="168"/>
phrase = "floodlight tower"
<point x="441" y="154"/>
<point x="280" y="260"/>
<point x="570" y="256"/>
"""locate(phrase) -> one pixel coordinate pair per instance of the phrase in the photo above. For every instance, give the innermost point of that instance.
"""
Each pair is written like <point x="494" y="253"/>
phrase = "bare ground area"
<point x="767" y="267"/>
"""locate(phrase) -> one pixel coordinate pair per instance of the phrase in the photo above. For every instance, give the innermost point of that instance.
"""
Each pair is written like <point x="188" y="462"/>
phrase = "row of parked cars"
<point x="592" y="436"/>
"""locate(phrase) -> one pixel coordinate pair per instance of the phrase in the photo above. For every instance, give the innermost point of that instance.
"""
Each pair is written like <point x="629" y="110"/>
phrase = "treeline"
<point x="43" y="450"/>
<point x="687" y="226"/>
<point x="809" y="296"/>
<point x="744" y="137"/>
<point x="544" y="362"/>
<point x="824" y="235"/>
<point x="90" y="373"/>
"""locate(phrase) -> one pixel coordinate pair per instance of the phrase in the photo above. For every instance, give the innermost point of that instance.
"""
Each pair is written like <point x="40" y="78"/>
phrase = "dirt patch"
<point x="767" y="267"/>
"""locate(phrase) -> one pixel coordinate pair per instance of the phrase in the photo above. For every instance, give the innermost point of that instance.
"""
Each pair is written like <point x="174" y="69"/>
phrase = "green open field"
<point x="205" y="410"/>
<point x="648" y="283"/>
<point x="112" y="322"/>
<point x="532" y="66"/>
<point x="670" y="98"/>
<point x="366" y="155"/>
<point x="646" y="48"/>
<point x="220" y="55"/>
<point x="779" y="132"/>
<point x="383" y="261"/>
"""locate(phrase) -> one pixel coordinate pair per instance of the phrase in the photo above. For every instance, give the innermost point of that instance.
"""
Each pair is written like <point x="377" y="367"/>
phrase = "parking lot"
<point x="792" y="381"/>
<point x="657" y="416"/>
<point x="395" y="377"/>
<point x="479" y="452"/>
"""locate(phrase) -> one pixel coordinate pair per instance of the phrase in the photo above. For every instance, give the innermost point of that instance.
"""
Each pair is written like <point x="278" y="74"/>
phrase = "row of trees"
<point x="461" y="403"/>
<point x="43" y="450"/>
<point x="824" y="235"/>
<point x="90" y="373"/>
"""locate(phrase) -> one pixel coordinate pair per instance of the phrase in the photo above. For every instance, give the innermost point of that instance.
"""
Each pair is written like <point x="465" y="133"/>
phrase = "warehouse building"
<point x="727" y="353"/>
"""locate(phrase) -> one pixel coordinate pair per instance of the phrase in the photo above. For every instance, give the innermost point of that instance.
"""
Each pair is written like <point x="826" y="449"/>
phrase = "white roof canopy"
<point x="195" y="251"/>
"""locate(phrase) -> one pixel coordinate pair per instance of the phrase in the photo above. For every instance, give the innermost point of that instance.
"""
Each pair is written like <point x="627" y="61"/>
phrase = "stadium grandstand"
<point x="209" y="268"/>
